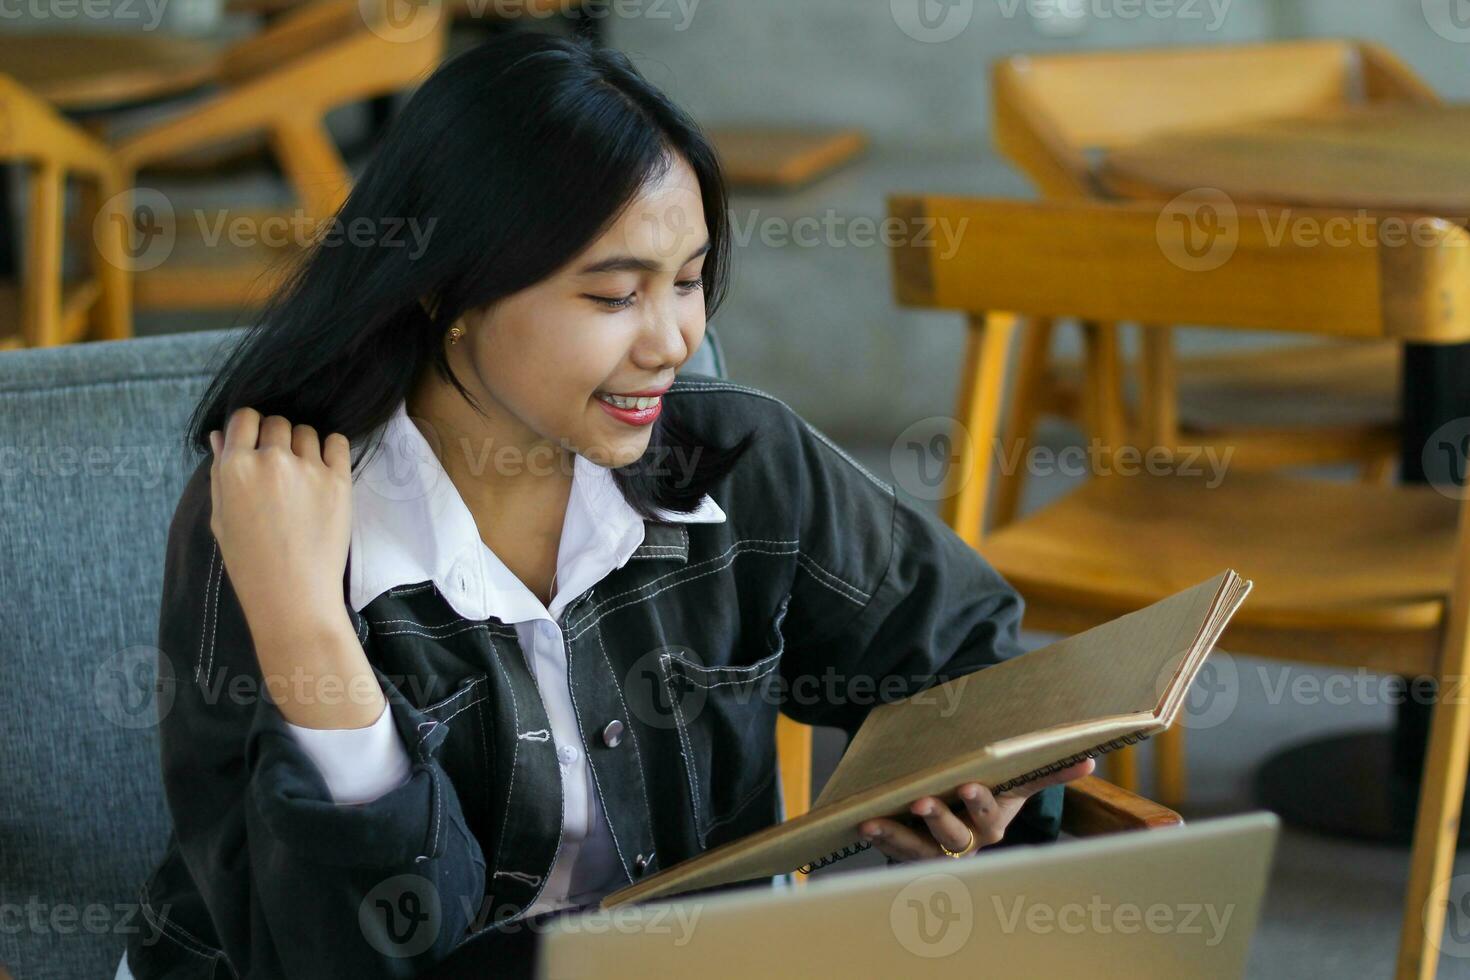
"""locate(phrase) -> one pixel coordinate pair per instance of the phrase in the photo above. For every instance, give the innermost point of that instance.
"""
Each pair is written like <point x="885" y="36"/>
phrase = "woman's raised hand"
<point x="281" y="510"/>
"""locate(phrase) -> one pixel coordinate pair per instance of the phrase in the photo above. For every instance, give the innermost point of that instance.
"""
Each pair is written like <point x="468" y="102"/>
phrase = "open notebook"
<point x="1006" y="724"/>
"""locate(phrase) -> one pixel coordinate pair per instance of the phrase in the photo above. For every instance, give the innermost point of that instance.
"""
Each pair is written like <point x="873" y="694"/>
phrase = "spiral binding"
<point x="1117" y="743"/>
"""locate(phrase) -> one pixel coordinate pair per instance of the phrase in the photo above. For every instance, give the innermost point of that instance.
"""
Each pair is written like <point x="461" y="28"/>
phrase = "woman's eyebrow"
<point x="631" y="263"/>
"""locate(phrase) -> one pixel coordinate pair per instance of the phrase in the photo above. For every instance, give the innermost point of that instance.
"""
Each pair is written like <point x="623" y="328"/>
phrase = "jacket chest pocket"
<point x="465" y="751"/>
<point x="725" y="717"/>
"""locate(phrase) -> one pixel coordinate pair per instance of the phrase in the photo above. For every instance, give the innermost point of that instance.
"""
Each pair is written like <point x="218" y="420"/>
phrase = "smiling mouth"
<point x="628" y="403"/>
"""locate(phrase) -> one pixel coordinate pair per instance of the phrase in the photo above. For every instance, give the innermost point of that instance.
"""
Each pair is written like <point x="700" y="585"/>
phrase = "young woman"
<point x="473" y="611"/>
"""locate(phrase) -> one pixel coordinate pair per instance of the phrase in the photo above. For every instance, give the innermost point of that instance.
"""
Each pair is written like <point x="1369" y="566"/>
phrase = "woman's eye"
<point x="623" y="302"/>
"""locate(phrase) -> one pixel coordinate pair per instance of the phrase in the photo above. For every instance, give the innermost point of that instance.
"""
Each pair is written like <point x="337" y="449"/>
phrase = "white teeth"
<point x="618" y="401"/>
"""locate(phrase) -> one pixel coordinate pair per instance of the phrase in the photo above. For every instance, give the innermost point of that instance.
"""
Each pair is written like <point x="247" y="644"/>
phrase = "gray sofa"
<point x="91" y="467"/>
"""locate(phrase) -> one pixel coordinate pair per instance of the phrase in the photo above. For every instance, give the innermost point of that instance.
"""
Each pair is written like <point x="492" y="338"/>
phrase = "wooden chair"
<point x="45" y="310"/>
<point x="282" y="83"/>
<point x="1359" y="574"/>
<point x="1050" y="112"/>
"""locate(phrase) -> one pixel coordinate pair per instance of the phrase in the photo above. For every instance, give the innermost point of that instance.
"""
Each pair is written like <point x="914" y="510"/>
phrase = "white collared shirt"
<point x="410" y="525"/>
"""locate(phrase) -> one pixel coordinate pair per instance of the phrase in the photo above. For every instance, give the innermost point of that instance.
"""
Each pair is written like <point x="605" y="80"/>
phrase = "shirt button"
<point x="568" y="754"/>
<point x="640" y="864"/>
<point x="545" y="628"/>
<point x="612" y="734"/>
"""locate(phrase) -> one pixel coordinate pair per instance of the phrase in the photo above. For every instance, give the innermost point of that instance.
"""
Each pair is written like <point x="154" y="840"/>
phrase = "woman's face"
<point x="566" y="360"/>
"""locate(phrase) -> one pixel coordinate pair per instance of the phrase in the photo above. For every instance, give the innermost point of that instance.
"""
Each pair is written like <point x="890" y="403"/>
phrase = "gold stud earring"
<point x="455" y="333"/>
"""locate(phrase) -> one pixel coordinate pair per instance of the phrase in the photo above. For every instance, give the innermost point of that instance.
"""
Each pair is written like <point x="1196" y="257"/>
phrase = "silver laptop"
<point x="1176" y="902"/>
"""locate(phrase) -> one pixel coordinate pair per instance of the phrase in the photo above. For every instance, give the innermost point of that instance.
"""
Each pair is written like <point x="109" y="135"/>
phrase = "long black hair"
<point x="521" y="151"/>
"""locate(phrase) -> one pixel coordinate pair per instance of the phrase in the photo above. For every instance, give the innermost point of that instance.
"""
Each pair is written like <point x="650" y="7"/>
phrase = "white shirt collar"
<point x="410" y="524"/>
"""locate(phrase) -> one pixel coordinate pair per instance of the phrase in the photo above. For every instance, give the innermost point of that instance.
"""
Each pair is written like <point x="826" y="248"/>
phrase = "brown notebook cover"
<point x="1007" y="724"/>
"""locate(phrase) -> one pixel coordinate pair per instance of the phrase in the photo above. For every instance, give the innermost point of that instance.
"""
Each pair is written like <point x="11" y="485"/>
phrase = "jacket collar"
<point x="410" y="525"/>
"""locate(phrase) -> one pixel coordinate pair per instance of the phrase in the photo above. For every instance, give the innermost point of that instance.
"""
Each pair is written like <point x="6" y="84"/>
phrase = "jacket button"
<point x="612" y="734"/>
<point x="640" y="864"/>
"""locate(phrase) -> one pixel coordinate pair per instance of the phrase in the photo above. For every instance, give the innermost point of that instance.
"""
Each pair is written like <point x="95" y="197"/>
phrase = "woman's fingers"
<point x="337" y="452"/>
<point x="1026" y="790"/>
<point x="985" y="812"/>
<point x="242" y="429"/>
<point x="898" y="841"/>
<point x="944" y="826"/>
<point x="275" y="430"/>
<point x="304" y="442"/>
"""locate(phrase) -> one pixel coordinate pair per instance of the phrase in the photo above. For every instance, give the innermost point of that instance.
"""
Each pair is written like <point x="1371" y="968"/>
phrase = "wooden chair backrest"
<point x="32" y="131"/>
<point x="1315" y="271"/>
<point x="317" y="30"/>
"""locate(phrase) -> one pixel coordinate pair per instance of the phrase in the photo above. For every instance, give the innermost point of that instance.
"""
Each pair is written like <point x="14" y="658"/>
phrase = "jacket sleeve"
<point x="296" y="885"/>
<point x="887" y="601"/>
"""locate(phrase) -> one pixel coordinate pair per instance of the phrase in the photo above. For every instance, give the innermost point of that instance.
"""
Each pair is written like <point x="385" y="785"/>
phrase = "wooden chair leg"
<point x="41" y="284"/>
<point x="1169" y="767"/>
<point x="1121" y="768"/>
<point x="982" y="386"/>
<point x="1104" y="415"/>
<point x="1380" y="469"/>
<point x="1437" y="825"/>
<point x="1158" y="388"/>
<point x="794" y="757"/>
<point x="112" y="317"/>
<point x="1436" y="828"/>
<point x="1031" y="372"/>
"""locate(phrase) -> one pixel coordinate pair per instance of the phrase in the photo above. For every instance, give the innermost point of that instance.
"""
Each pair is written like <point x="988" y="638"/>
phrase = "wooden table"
<point x="88" y="73"/>
<point x="1384" y="159"/>
<point x="83" y="71"/>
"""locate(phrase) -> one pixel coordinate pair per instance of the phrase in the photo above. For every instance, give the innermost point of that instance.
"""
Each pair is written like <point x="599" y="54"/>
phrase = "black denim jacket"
<point x="821" y="595"/>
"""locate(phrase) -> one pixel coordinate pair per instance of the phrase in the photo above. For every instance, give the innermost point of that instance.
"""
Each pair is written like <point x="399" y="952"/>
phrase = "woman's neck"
<point x="515" y="483"/>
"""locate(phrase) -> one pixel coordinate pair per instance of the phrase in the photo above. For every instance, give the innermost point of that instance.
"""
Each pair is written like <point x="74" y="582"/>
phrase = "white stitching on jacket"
<point x="854" y="593"/>
<point x="637" y="756"/>
<point x="596" y="784"/>
<point x="684" y="747"/>
<point x="744" y="802"/>
<point x="739" y="678"/>
<point x="183" y="938"/>
<point x="727" y="556"/>
<point x="214" y="617"/>
<point x="204" y="600"/>
<point x="515" y="751"/>
<point x="411" y="589"/>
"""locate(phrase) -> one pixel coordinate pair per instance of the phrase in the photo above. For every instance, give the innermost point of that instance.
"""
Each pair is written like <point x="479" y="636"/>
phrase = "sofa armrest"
<point x="1094" y="806"/>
